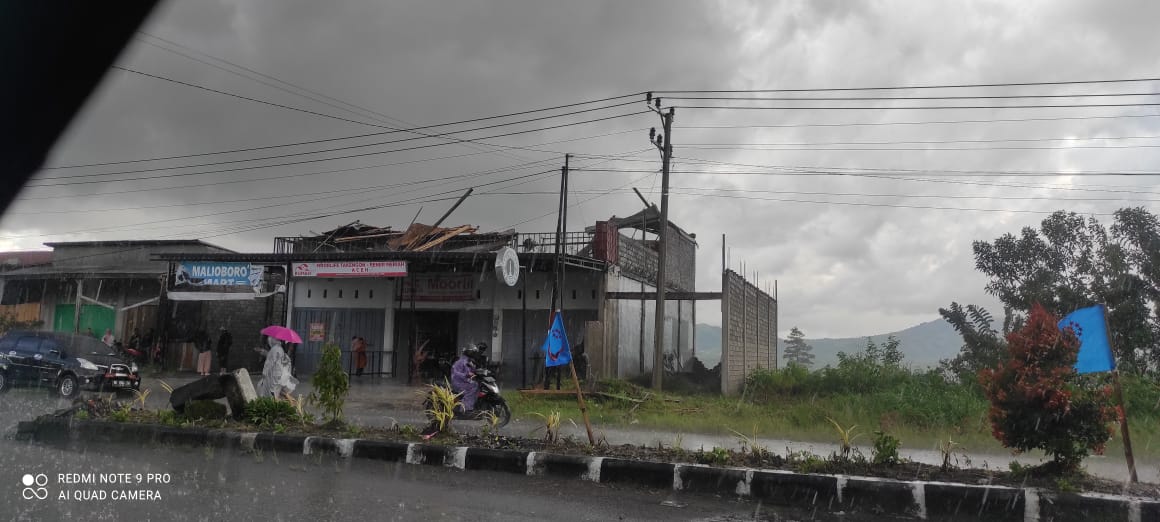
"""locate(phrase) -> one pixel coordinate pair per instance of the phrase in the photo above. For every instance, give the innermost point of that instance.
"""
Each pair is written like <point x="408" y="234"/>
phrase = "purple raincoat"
<point x="461" y="381"/>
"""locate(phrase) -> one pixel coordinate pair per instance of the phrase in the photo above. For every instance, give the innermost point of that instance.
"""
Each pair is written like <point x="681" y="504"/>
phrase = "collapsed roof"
<point x="417" y="237"/>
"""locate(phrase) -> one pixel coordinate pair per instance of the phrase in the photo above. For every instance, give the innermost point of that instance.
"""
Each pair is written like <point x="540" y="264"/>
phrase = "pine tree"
<point x="796" y="350"/>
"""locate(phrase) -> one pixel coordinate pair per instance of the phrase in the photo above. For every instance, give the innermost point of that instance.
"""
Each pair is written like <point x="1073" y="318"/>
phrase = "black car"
<point x="66" y="362"/>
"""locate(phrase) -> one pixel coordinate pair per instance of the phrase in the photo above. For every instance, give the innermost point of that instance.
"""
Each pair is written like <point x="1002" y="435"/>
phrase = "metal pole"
<point x="524" y="330"/>
<point x="662" y="253"/>
<point x="1119" y="393"/>
<point x="450" y="210"/>
<point x="563" y="229"/>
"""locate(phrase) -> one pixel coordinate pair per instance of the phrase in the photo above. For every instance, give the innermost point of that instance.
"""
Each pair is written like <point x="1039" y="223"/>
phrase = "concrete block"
<point x="713" y="481"/>
<point x="497" y="460"/>
<point x="1082" y="508"/>
<point x="652" y="474"/>
<point x="995" y="504"/>
<point x="205" y="388"/>
<point x="380" y="450"/>
<point x="793" y="489"/>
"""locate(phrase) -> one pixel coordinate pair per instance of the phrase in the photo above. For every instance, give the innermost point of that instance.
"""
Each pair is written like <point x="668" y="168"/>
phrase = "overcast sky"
<point x="843" y="269"/>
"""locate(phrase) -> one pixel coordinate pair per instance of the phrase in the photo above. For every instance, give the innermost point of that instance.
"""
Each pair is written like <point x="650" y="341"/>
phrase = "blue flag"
<point x="1090" y="327"/>
<point x="557" y="351"/>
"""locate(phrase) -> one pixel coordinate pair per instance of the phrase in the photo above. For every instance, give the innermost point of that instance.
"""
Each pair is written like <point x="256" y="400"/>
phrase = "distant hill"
<point x="923" y="345"/>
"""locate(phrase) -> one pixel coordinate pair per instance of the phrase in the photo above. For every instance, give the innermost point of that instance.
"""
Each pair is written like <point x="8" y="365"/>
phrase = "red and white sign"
<point x="351" y="269"/>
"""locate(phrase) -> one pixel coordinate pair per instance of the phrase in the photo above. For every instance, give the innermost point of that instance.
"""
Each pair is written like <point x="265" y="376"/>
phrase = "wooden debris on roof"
<point x="445" y="234"/>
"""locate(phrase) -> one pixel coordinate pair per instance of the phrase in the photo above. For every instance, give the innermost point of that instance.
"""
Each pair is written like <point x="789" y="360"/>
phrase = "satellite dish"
<point x="507" y="266"/>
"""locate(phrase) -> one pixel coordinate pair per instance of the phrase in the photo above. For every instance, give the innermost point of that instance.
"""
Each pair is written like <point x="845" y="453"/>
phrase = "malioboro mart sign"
<point x="351" y="269"/>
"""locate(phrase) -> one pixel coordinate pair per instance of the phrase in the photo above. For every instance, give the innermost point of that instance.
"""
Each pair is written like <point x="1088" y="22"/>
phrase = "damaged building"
<point x="419" y="294"/>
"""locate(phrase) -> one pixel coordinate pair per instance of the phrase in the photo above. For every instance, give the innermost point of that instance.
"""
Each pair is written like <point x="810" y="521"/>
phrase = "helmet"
<point x="482" y="347"/>
<point x="472" y="352"/>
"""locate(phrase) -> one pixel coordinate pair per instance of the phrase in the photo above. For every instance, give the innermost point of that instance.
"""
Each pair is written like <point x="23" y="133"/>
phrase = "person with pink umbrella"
<point x="277" y="374"/>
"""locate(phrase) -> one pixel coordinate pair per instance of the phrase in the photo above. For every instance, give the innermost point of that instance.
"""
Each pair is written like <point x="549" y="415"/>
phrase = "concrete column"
<point x="77" y="309"/>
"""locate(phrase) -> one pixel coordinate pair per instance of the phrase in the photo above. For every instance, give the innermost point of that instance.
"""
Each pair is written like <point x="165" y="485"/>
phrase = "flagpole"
<point x="1123" y="413"/>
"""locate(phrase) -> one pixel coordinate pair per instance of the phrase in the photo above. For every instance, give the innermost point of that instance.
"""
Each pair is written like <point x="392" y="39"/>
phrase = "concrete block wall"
<point x="639" y="258"/>
<point x="749" y="331"/>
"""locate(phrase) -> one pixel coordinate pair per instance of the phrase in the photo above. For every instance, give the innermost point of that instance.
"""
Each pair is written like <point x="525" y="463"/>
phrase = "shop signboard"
<point x="439" y="287"/>
<point x="199" y="273"/>
<point x="351" y="269"/>
<point x="317" y="332"/>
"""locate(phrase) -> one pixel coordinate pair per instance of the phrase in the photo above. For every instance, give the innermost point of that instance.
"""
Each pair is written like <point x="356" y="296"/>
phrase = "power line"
<point x="841" y="173"/>
<point x="285" y="176"/>
<point x="908" y="87"/>
<point x="916" y="196"/>
<point x="313" y="96"/>
<point x="887" y="98"/>
<point x="349" y="147"/>
<point x="152" y="224"/>
<point x="425" y="127"/>
<point x="301" y="162"/>
<point x="933" y="149"/>
<point x="903" y="142"/>
<point x="884" y="205"/>
<point x="861" y="173"/>
<point x="239" y="96"/>
<point x="915" y="107"/>
<point x="921" y="122"/>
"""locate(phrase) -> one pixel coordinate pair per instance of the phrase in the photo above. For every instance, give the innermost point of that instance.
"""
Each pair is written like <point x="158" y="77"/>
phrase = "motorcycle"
<point x="488" y="400"/>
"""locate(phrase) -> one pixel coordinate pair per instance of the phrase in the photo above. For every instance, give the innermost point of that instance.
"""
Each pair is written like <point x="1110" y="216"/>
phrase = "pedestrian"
<point x="291" y="351"/>
<point x="359" y="347"/>
<point x="277" y="379"/>
<point x="204" y="352"/>
<point x="549" y="372"/>
<point x="108" y="338"/>
<point x="225" y="341"/>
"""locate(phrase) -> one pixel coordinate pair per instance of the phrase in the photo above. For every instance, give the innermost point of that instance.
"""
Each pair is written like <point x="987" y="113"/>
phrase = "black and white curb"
<point x="830" y="493"/>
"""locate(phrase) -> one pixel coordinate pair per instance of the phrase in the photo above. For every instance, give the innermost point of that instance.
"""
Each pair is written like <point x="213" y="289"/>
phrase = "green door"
<point x="96" y="317"/>
<point x="62" y="318"/>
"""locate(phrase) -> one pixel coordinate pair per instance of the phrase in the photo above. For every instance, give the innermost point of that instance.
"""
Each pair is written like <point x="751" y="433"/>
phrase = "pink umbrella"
<point x="282" y="334"/>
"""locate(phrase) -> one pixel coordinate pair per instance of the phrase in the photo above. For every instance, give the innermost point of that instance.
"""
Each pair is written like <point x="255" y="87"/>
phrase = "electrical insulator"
<point x="652" y="134"/>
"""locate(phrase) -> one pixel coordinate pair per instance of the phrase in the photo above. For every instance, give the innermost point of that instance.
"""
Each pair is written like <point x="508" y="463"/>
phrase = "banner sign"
<point x="197" y="273"/>
<point x="351" y="269"/>
<point x="317" y="331"/>
<point x="440" y="287"/>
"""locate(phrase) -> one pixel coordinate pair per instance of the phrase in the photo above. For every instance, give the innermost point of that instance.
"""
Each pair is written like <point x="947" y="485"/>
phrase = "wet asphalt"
<point x="146" y="482"/>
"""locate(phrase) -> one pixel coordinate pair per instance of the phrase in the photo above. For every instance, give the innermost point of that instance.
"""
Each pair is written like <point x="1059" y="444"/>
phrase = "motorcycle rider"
<point x="462" y="373"/>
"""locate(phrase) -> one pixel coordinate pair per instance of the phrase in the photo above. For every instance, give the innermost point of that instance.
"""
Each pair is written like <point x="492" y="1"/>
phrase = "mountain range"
<point x="922" y="345"/>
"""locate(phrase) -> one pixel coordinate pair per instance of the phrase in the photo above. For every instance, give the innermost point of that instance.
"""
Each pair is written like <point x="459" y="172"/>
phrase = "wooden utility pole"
<point x="664" y="144"/>
<point x="1123" y="410"/>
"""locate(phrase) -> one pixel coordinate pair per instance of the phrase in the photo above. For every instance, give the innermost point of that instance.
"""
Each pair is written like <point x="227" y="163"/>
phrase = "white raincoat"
<point x="276" y="374"/>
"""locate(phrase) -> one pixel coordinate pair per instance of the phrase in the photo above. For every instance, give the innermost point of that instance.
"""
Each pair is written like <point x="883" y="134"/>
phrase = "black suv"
<point x="66" y="362"/>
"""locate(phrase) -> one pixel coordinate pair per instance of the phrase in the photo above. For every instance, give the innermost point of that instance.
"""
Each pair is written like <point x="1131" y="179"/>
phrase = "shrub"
<point x="1036" y="399"/>
<point x="886" y="449"/>
<point x="331" y="383"/>
<point x="268" y="412"/>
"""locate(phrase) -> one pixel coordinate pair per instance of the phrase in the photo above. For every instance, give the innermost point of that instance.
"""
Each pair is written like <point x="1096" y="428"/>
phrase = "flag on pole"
<point x="1090" y="327"/>
<point x="557" y="351"/>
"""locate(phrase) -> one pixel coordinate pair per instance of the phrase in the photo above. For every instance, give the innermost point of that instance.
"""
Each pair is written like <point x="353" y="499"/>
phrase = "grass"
<point x="921" y="410"/>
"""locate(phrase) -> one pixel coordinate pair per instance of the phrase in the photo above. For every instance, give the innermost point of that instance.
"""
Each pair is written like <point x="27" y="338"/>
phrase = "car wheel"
<point x="4" y="384"/>
<point x="68" y="386"/>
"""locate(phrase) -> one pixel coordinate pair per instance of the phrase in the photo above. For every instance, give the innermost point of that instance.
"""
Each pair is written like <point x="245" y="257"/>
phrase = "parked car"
<point x="65" y="362"/>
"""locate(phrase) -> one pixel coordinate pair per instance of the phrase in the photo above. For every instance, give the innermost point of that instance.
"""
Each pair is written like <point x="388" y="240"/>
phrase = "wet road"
<point x="214" y="484"/>
<point x="379" y="402"/>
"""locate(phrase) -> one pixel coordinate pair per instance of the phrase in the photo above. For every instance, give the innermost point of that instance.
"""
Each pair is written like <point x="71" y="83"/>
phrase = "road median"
<point x="920" y="500"/>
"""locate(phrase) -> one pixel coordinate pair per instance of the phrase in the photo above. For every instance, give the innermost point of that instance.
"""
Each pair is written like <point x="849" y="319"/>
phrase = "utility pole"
<point x="665" y="146"/>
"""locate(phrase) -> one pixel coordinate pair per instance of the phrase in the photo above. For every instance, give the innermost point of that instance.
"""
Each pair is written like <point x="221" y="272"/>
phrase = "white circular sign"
<point x="507" y="266"/>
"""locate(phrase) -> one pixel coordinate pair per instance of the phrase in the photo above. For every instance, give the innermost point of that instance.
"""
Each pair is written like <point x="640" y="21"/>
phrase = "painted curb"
<point x="834" y="493"/>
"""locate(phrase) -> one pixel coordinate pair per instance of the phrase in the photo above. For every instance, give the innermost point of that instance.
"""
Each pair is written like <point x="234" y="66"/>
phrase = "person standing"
<point x="204" y="352"/>
<point x="225" y="341"/>
<point x="108" y="339"/>
<point x="277" y="375"/>
<point x="359" y="347"/>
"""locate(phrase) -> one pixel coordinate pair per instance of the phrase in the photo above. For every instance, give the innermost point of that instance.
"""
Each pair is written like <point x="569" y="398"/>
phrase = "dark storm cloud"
<point x="842" y="270"/>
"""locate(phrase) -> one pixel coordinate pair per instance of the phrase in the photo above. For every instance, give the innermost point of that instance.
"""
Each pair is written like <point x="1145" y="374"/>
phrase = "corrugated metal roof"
<point x="135" y="242"/>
